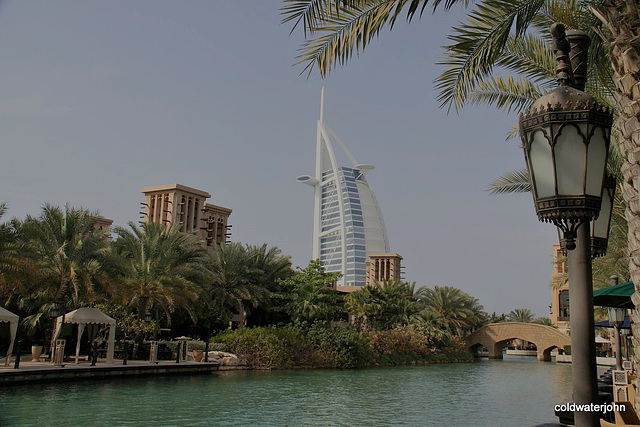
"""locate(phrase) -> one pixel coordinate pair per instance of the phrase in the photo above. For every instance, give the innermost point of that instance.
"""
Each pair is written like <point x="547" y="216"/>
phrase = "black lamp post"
<point x="616" y="319"/>
<point x="58" y="308"/>
<point x="565" y="137"/>
<point x="148" y="317"/>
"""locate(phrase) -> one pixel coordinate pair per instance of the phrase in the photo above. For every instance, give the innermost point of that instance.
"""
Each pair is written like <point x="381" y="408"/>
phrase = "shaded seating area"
<point x="90" y="319"/>
<point x="12" y="319"/>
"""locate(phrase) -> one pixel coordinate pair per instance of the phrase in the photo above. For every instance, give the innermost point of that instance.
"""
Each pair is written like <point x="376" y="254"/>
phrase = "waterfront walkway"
<point x="39" y="372"/>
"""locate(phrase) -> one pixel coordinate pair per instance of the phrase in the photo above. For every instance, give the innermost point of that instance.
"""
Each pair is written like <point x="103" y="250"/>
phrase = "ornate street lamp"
<point x="616" y="319"/>
<point x="599" y="227"/>
<point x="565" y="137"/>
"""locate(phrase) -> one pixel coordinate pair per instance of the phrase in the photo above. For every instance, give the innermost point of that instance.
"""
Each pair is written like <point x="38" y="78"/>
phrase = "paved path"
<point x="38" y="372"/>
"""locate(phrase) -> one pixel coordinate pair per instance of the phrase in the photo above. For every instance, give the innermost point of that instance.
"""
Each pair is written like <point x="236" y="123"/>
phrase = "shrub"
<point x="319" y="346"/>
<point x="399" y="346"/>
<point x="340" y="347"/>
<point x="268" y="347"/>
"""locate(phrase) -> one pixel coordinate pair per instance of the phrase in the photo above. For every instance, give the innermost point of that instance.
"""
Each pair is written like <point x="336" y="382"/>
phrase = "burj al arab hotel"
<point x="347" y="223"/>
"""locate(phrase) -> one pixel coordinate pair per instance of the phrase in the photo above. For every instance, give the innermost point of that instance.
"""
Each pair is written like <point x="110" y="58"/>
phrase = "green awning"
<point x="615" y="296"/>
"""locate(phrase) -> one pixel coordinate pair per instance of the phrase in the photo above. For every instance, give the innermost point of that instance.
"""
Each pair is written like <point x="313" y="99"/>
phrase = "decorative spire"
<point x="561" y="47"/>
<point x="578" y="54"/>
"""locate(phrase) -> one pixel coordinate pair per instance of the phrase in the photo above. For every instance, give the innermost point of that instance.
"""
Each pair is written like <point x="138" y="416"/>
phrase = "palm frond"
<point x="506" y="93"/>
<point x="336" y="29"/>
<point x="479" y="43"/>
<point x="344" y="32"/>
<point x="309" y="12"/>
<point x="531" y="57"/>
<point x="513" y="182"/>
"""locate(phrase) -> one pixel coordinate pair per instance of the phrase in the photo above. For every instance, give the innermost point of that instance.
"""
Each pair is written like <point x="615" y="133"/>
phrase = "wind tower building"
<point x="179" y="204"/>
<point x="347" y="223"/>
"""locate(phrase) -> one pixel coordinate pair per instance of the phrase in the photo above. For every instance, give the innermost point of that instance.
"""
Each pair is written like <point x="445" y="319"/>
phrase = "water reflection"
<point x="518" y="391"/>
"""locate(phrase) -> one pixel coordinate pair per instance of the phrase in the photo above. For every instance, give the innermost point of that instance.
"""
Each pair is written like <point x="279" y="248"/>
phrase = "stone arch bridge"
<point x="495" y="335"/>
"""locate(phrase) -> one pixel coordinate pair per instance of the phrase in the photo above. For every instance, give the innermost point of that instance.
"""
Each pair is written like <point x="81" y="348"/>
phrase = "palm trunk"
<point x="622" y="19"/>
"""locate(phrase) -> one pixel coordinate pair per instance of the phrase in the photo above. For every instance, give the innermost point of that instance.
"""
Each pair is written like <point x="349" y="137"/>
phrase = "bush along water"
<point x="320" y="346"/>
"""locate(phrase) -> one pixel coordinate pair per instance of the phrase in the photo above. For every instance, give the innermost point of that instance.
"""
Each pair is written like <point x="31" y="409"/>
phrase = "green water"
<point x="518" y="391"/>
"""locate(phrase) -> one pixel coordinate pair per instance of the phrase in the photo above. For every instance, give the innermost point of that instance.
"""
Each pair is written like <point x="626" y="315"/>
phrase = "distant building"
<point x="103" y="223"/>
<point x="383" y="267"/>
<point x="179" y="204"/>
<point x="559" y="309"/>
<point x="347" y="223"/>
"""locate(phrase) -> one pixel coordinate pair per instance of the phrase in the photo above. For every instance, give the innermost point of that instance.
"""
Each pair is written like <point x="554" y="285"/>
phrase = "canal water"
<point x="517" y="391"/>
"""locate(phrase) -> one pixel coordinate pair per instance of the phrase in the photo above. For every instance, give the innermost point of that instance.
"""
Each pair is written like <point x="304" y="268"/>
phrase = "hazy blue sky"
<point x="101" y="98"/>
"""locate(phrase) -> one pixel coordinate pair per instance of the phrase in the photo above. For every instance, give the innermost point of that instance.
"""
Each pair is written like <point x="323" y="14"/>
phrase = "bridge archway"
<point x="495" y="335"/>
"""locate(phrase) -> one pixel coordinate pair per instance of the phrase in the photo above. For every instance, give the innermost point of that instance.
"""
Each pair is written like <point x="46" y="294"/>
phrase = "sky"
<point x="99" y="99"/>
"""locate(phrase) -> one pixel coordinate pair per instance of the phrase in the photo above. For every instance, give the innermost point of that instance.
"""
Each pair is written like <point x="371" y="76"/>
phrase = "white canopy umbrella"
<point x="93" y="317"/>
<point x="12" y="319"/>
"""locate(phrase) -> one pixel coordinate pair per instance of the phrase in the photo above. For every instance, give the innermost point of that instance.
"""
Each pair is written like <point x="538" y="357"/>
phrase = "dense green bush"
<point x="319" y="346"/>
<point x="269" y="347"/>
<point x="340" y="347"/>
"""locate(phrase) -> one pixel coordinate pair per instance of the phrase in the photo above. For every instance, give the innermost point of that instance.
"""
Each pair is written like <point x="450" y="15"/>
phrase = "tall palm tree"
<point x="270" y="266"/>
<point x="158" y="265"/>
<point x="67" y="250"/>
<point x="308" y="293"/>
<point x="524" y="315"/>
<point x="13" y="263"/>
<point x="383" y="305"/>
<point x="237" y="280"/>
<point x="458" y="312"/>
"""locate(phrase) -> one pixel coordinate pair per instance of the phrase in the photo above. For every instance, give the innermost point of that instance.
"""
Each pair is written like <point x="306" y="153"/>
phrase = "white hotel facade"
<point x="347" y="223"/>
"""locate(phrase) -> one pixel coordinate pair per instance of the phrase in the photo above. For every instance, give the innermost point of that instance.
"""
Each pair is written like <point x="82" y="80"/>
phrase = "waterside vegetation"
<point x="154" y="279"/>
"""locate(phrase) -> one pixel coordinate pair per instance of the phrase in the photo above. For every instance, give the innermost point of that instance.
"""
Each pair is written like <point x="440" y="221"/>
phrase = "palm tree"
<point x="430" y="324"/>
<point x="67" y="250"/>
<point x="158" y="265"/>
<point x="383" y="305"/>
<point x="237" y="281"/>
<point x="458" y="312"/>
<point x="13" y="263"/>
<point x="270" y="266"/>
<point x="524" y="315"/>
<point x="309" y="295"/>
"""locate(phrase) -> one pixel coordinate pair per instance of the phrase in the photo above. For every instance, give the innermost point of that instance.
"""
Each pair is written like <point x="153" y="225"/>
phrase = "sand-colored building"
<point x="179" y="204"/>
<point x="381" y="267"/>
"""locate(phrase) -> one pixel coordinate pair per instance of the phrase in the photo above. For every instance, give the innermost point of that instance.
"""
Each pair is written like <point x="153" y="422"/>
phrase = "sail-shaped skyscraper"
<point x="347" y="223"/>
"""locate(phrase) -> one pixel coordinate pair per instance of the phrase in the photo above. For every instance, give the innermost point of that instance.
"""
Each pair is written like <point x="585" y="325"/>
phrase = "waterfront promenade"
<point x="38" y="372"/>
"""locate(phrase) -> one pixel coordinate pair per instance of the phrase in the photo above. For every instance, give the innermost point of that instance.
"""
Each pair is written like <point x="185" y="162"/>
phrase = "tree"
<point x="309" y="295"/>
<point x="545" y="321"/>
<point x="158" y="265"/>
<point x="270" y="267"/>
<point x="66" y="253"/>
<point x="67" y="250"/>
<point x="457" y="311"/>
<point x="13" y="263"/>
<point x="494" y="318"/>
<point x="524" y="315"/>
<point x="382" y="305"/>
<point x="237" y="281"/>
